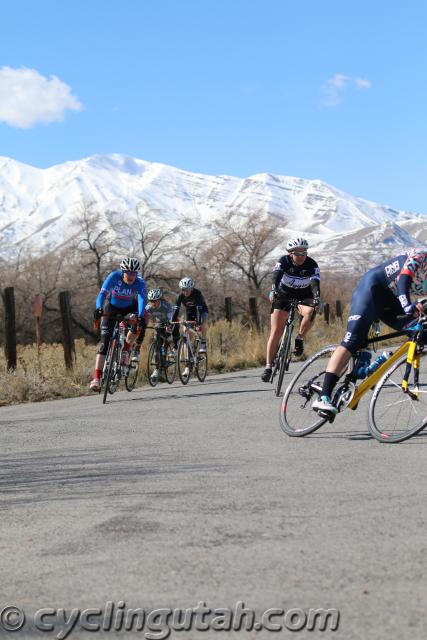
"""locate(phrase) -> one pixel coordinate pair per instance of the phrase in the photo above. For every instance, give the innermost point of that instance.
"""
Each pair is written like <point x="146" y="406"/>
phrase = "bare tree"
<point x="92" y="240"/>
<point x="245" y="243"/>
<point x="147" y="235"/>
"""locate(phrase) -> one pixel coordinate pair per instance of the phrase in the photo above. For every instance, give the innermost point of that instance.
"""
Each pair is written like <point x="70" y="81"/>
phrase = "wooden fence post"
<point x="10" y="328"/>
<point x="67" y="328"/>
<point x="326" y="312"/>
<point x="228" y="309"/>
<point x="338" y="309"/>
<point x="253" y="313"/>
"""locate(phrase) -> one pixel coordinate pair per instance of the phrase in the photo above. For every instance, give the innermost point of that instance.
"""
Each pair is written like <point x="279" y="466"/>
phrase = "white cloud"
<point x="27" y="98"/>
<point x="363" y="83"/>
<point x="336" y="85"/>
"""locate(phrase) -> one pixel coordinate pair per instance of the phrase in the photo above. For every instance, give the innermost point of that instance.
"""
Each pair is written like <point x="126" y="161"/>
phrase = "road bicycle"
<point x="398" y="406"/>
<point x="113" y="370"/>
<point x="161" y="357"/>
<point x="284" y="352"/>
<point x="189" y="358"/>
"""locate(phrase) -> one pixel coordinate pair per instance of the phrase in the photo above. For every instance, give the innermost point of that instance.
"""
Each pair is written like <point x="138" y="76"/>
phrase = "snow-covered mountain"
<point x="38" y="206"/>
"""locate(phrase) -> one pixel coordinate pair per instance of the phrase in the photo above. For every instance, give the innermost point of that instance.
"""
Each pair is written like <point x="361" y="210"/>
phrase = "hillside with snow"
<point x="38" y="206"/>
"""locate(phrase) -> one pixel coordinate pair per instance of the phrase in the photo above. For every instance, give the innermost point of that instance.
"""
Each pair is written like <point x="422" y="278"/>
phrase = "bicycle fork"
<point x="412" y="362"/>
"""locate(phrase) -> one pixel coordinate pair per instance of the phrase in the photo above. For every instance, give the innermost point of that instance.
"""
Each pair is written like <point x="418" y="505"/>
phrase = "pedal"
<point x="328" y="416"/>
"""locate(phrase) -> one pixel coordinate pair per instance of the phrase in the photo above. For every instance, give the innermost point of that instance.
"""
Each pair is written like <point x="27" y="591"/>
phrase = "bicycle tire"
<point x="131" y="377"/>
<point x="296" y="415"/>
<point x="395" y="416"/>
<point x="169" y="364"/>
<point x="183" y="361"/>
<point x="111" y="370"/>
<point x="153" y="363"/>
<point x="284" y="359"/>
<point x="202" y="366"/>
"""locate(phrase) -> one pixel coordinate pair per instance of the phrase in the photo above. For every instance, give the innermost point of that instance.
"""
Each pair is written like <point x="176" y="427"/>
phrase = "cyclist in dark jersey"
<point x="195" y="309"/>
<point x="160" y="312"/>
<point x="383" y="293"/>
<point x="117" y="297"/>
<point x="295" y="277"/>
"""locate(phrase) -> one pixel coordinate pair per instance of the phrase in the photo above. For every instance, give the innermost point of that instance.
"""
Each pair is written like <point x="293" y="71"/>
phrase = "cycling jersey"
<point x="299" y="280"/>
<point x="195" y="306"/>
<point x="382" y="293"/>
<point x="162" y="314"/>
<point x="121" y="294"/>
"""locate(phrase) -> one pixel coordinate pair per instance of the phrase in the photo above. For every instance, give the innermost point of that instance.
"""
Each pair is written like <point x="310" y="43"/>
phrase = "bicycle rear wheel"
<point x="202" y="366"/>
<point x="132" y="376"/>
<point x="297" y="418"/>
<point x="111" y="381"/>
<point x="153" y="364"/>
<point x="169" y="364"/>
<point x="396" y="415"/>
<point x="183" y="361"/>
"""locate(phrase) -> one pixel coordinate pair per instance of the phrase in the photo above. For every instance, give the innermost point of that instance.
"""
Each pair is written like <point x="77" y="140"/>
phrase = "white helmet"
<point x="296" y="243"/>
<point x="186" y="283"/>
<point x="154" y="294"/>
<point x="130" y="264"/>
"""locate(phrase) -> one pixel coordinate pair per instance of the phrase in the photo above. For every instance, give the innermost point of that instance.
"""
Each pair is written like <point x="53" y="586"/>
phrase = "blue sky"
<point x="326" y="89"/>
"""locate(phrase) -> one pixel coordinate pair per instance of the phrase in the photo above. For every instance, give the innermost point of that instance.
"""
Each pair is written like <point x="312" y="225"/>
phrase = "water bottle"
<point x="362" y="363"/>
<point x="366" y="370"/>
<point x="378" y="362"/>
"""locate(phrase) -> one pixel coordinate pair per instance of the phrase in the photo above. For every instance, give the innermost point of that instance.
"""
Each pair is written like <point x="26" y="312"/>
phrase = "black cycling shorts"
<point x="371" y="301"/>
<point x="283" y="301"/>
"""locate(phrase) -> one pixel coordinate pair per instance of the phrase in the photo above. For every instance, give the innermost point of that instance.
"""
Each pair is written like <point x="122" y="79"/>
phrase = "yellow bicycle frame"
<point x="412" y="358"/>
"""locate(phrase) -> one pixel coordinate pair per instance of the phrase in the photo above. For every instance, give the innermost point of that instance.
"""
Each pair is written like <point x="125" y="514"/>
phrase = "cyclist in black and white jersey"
<point x="195" y="310"/>
<point x="295" y="276"/>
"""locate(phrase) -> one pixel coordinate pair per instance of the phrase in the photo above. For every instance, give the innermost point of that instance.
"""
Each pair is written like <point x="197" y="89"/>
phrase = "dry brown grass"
<point x="41" y="374"/>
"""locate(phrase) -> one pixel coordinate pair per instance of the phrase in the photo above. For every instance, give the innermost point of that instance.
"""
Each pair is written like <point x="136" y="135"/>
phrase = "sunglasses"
<point x="299" y="253"/>
<point x="131" y="273"/>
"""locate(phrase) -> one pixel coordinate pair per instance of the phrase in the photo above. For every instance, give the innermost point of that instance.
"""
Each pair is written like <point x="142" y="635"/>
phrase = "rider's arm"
<point x="412" y="271"/>
<point x="142" y="296"/>
<point x="315" y="283"/>
<point x="177" y="306"/>
<point x="277" y="274"/>
<point x="106" y="286"/>
<point x="201" y="306"/>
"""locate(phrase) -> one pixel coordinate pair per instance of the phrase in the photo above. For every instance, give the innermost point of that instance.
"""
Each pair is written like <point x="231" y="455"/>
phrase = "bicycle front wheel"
<point x="297" y="418"/>
<point x="202" y="366"/>
<point x="285" y="358"/>
<point x="153" y="364"/>
<point x="169" y="364"/>
<point x="111" y="381"/>
<point x="394" y="414"/>
<point x="184" y="361"/>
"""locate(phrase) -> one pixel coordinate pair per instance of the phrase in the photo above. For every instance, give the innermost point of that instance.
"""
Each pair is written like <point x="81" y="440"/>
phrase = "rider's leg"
<point x="107" y="325"/>
<point x="307" y="318"/>
<point x="277" y="319"/>
<point x="203" y="332"/>
<point x="363" y="311"/>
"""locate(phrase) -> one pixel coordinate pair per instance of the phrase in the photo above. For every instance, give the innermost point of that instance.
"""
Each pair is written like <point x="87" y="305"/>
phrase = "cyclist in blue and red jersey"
<point x="383" y="293"/>
<point x="123" y="292"/>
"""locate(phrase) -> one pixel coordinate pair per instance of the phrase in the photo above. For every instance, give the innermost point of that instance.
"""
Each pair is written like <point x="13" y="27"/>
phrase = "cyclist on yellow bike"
<point x="295" y="276"/>
<point x="383" y="293"/>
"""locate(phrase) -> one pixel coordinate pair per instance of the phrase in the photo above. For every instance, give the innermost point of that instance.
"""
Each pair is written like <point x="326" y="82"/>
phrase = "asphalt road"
<point x="171" y="496"/>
